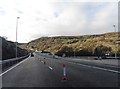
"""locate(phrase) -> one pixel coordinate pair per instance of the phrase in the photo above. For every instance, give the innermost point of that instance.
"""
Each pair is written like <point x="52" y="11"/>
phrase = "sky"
<point x="40" y="18"/>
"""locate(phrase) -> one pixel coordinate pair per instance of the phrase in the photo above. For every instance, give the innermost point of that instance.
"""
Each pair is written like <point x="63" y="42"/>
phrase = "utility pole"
<point x="16" y="34"/>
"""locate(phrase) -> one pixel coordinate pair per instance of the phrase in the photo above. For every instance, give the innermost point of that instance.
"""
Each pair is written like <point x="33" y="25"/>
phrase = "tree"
<point x="101" y="50"/>
<point x="68" y="51"/>
<point x="84" y="52"/>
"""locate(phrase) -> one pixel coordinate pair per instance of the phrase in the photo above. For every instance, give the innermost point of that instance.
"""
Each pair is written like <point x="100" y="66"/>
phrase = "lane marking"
<point x="50" y="67"/>
<point x="114" y="71"/>
<point x="107" y="65"/>
<point x="114" y="66"/>
<point x="14" y="66"/>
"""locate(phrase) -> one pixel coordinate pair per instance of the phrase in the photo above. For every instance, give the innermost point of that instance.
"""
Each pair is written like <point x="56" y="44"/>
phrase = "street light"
<point x="115" y="41"/>
<point x="16" y="34"/>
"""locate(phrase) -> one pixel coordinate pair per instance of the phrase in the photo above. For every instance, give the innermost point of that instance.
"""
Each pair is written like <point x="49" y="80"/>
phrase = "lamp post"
<point x="115" y="41"/>
<point x="16" y="34"/>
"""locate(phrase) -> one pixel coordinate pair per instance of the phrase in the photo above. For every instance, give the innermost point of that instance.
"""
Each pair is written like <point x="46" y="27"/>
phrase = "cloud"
<point x="56" y="17"/>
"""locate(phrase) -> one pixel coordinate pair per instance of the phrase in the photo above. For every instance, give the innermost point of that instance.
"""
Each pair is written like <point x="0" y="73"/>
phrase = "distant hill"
<point x="86" y="45"/>
<point x="9" y="49"/>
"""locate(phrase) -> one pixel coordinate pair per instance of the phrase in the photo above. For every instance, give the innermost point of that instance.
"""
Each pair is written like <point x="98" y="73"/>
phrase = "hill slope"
<point x="8" y="49"/>
<point x="77" y="45"/>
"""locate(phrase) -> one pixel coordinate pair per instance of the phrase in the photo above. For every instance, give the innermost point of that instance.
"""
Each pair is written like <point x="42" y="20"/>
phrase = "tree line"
<point x="100" y="50"/>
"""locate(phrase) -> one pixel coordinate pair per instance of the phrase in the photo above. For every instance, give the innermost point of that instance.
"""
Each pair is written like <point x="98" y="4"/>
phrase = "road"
<point x="32" y="72"/>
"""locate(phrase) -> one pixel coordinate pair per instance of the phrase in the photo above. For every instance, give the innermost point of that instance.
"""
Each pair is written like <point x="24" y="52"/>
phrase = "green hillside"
<point x="86" y="45"/>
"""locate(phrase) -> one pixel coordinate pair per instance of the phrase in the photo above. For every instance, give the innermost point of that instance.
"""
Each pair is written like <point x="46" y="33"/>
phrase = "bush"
<point x="68" y="51"/>
<point x="101" y="50"/>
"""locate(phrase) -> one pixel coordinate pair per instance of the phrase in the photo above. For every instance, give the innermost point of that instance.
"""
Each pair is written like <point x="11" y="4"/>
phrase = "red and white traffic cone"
<point x="64" y="72"/>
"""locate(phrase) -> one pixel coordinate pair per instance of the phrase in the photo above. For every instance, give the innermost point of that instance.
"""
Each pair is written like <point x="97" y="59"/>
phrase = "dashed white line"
<point x="13" y="67"/>
<point x="50" y="67"/>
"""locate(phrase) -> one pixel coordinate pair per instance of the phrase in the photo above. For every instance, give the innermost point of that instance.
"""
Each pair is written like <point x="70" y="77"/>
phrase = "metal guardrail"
<point x="10" y="62"/>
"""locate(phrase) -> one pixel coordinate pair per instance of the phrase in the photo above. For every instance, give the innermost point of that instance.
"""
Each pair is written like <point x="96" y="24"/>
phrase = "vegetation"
<point x="8" y="49"/>
<point x="87" y="45"/>
<point x="102" y="50"/>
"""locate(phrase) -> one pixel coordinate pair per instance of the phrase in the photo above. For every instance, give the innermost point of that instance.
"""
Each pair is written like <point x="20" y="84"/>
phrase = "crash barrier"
<point x="10" y="62"/>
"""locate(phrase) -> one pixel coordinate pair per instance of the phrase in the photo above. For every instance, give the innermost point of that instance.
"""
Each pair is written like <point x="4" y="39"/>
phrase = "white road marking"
<point x="50" y="67"/>
<point x="13" y="67"/>
<point x="114" y="71"/>
<point x="115" y="66"/>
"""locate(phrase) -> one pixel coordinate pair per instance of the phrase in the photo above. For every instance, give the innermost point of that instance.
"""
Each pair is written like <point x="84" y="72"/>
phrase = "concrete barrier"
<point x="9" y="62"/>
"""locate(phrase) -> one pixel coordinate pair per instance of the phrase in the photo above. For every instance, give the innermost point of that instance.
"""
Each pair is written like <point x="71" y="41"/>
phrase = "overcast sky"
<point x="56" y="18"/>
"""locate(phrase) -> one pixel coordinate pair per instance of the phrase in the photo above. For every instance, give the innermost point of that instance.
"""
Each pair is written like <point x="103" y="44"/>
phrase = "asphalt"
<point x="34" y="73"/>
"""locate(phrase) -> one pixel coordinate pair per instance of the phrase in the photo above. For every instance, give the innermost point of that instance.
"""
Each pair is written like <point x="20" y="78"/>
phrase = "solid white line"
<point x="107" y="69"/>
<point x="13" y="67"/>
<point x="114" y="71"/>
<point x="50" y="67"/>
<point x="114" y="66"/>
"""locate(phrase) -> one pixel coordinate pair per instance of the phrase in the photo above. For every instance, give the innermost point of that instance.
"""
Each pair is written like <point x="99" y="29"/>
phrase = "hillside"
<point x="8" y="49"/>
<point x="86" y="45"/>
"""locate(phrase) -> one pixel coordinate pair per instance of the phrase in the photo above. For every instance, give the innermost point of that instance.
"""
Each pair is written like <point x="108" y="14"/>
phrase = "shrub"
<point x="68" y="51"/>
<point x="101" y="50"/>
